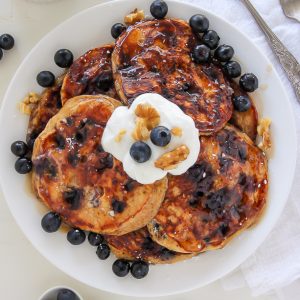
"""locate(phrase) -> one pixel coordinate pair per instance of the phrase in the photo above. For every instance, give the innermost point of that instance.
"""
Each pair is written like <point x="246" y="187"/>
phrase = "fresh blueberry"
<point x="1" y="53"/>
<point x="76" y="236"/>
<point x="199" y="23"/>
<point x="63" y="58"/>
<point x="241" y="103"/>
<point x="45" y="79"/>
<point x="95" y="239"/>
<point x="117" y="29"/>
<point x="224" y="53"/>
<point x="121" y="267"/>
<point x="139" y="269"/>
<point x="19" y="148"/>
<point x="105" y="81"/>
<point x="51" y="222"/>
<point x="201" y="54"/>
<point x="159" y="9"/>
<point x="249" y="82"/>
<point x="160" y="136"/>
<point x="6" y="41"/>
<point x="103" y="251"/>
<point x="140" y="152"/>
<point x="65" y="294"/>
<point x="23" y="165"/>
<point x="232" y="69"/>
<point x="211" y="39"/>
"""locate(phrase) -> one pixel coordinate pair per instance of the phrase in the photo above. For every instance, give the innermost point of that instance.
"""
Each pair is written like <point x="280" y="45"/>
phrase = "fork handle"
<point x="287" y="60"/>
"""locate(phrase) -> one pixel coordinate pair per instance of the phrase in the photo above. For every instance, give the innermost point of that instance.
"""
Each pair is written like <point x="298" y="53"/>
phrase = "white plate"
<point x="91" y="28"/>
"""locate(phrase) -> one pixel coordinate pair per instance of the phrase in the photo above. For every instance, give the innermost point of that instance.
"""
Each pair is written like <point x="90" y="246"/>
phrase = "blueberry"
<point x="121" y="267"/>
<point x="105" y="81"/>
<point x="211" y="39"/>
<point x="19" y="148"/>
<point x="73" y="197"/>
<point x="23" y="165"/>
<point x="118" y="206"/>
<point x="63" y="58"/>
<point x="201" y="54"/>
<point x="139" y="269"/>
<point x="224" y="53"/>
<point x="1" y="53"/>
<point x="95" y="239"/>
<point x="140" y="152"/>
<point x="51" y="222"/>
<point x="160" y="136"/>
<point x="76" y="236"/>
<point x="232" y="69"/>
<point x="45" y="79"/>
<point x="159" y="9"/>
<point x="117" y="29"/>
<point x="65" y="294"/>
<point x="249" y="82"/>
<point x="199" y="23"/>
<point x="241" y="103"/>
<point x="6" y="41"/>
<point x="103" y="251"/>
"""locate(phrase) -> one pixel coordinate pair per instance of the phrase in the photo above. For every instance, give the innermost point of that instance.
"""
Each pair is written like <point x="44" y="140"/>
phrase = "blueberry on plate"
<point x="95" y="239"/>
<point x="160" y="136"/>
<point x="232" y="69"/>
<point x="76" y="236"/>
<point x="6" y="41"/>
<point x="224" y="53"/>
<point x="159" y="9"/>
<point x="211" y="39"/>
<point x="19" y="148"/>
<point x="66" y="294"/>
<point x="1" y="53"/>
<point x="140" y="152"/>
<point x="51" y="222"/>
<point x="241" y="103"/>
<point x="63" y="58"/>
<point x="201" y="54"/>
<point x="199" y="23"/>
<point x="23" y="165"/>
<point x="121" y="267"/>
<point x="117" y="29"/>
<point x="45" y="79"/>
<point x="249" y="82"/>
<point x="139" y="269"/>
<point x="103" y="251"/>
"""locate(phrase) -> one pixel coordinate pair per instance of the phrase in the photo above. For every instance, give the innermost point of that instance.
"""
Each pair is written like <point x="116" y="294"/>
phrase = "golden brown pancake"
<point x="74" y="177"/>
<point x="221" y="195"/>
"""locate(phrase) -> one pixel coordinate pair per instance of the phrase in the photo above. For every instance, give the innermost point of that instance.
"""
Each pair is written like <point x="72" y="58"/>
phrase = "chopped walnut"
<point x="134" y="17"/>
<point x="176" y="131"/>
<point x="170" y="160"/>
<point x="120" y="135"/>
<point x="141" y="132"/>
<point x="263" y="130"/>
<point x="29" y="102"/>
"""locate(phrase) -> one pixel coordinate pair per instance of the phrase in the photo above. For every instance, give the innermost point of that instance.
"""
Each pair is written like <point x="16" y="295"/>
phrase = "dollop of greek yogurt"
<point x="118" y="138"/>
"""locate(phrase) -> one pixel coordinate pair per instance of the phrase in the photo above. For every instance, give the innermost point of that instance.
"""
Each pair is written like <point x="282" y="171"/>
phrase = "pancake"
<point x="74" y="177"/>
<point x="138" y="245"/>
<point x="222" y="194"/>
<point x="155" y="56"/>
<point x="85" y="72"/>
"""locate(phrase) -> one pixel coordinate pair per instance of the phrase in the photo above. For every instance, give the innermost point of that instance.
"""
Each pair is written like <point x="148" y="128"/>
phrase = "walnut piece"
<point x="134" y="17"/>
<point x="29" y="102"/>
<point x="120" y="135"/>
<point x="176" y="131"/>
<point x="263" y="130"/>
<point x="170" y="160"/>
<point x="141" y="132"/>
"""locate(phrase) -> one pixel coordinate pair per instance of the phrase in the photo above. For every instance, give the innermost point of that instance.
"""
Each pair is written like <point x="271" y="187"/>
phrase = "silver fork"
<point x="291" y="9"/>
<point x="286" y="58"/>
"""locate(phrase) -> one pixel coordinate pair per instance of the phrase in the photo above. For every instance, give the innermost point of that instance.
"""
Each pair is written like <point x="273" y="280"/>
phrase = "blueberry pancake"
<point x="90" y="74"/>
<point x="221" y="195"/>
<point x="155" y="56"/>
<point x="74" y="177"/>
<point x="139" y="245"/>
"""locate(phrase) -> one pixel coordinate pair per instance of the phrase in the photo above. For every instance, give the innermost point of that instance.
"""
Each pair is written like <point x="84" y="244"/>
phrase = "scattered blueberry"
<point x="76" y="236"/>
<point x="224" y="53"/>
<point x="232" y="69"/>
<point x="63" y="58"/>
<point x="6" y="41"/>
<point x="139" y="269"/>
<point x="51" y="222"/>
<point x="201" y="54"/>
<point x="65" y="294"/>
<point x="211" y="39"/>
<point x="104" y="81"/>
<point x="19" y="148"/>
<point x="95" y="239"/>
<point x="117" y="29"/>
<point x="1" y="53"/>
<point x="241" y="103"/>
<point x="199" y="23"/>
<point x="160" y="136"/>
<point x="121" y="267"/>
<point x="45" y="78"/>
<point x="159" y="9"/>
<point x="103" y="251"/>
<point x="23" y="165"/>
<point x="140" y="152"/>
<point x="249" y="82"/>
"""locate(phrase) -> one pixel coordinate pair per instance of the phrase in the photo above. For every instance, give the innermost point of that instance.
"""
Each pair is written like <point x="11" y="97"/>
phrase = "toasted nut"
<point x="176" y="131"/>
<point x="29" y="102"/>
<point x="134" y="17"/>
<point x="25" y="108"/>
<point x="120" y="135"/>
<point x="263" y="130"/>
<point x="149" y="113"/>
<point x="141" y="132"/>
